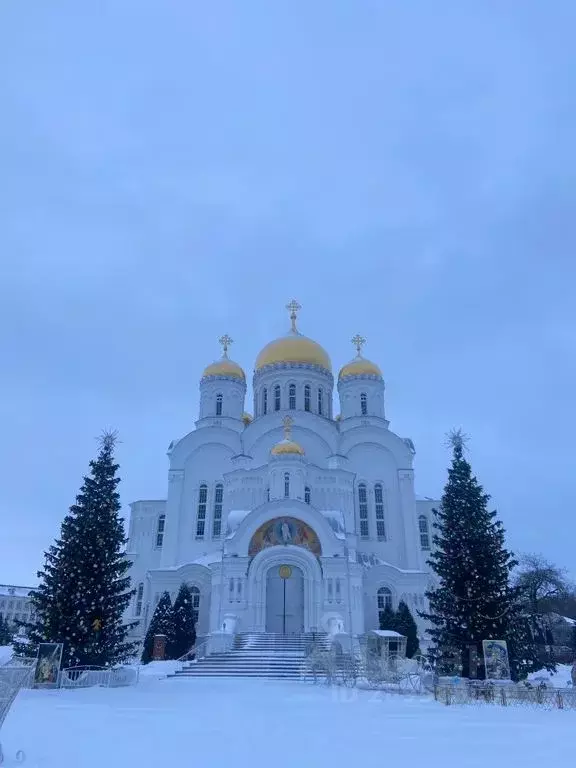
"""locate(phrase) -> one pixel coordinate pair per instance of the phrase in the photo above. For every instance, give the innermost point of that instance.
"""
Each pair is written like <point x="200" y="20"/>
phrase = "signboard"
<point x="496" y="659"/>
<point x="48" y="663"/>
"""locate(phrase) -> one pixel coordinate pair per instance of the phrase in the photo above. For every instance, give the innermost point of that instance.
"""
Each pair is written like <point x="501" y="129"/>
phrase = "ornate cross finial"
<point x="225" y="341"/>
<point x="287" y="421"/>
<point x="293" y="307"/>
<point x="358" y="342"/>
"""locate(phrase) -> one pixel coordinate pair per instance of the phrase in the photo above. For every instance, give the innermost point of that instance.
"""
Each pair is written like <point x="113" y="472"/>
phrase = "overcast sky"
<point x="170" y="171"/>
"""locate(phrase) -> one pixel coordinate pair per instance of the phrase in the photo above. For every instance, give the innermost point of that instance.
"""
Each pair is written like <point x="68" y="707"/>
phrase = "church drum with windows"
<point x="291" y="520"/>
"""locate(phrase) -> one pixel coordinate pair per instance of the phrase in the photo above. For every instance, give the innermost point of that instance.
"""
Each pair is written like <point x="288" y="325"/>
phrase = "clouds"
<point x="174" y="172"/>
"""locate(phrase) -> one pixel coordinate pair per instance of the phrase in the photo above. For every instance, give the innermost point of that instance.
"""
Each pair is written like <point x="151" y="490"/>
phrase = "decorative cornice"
<point x="361" y="377"/>
<point x="285" y="366"/>
<point x="219" y="377"/>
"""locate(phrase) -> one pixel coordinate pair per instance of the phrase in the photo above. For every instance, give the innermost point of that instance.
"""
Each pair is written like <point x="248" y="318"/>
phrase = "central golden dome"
<point x="293" y="348"/>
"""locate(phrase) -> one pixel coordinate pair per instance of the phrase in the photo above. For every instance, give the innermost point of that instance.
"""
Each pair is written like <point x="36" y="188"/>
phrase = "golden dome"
<point x="225" y="366"/>
<point x="287" y="446"/>
<point x="247" y="418"/>
<point x="359" y="366"/>
<point x="293" y="348"/>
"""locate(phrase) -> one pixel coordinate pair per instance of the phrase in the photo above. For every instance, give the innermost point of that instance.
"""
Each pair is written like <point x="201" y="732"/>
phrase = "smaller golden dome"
<point x="247" y="418"/>
<point x="225" y="366"/>
<point x="359" y="366"/>
<point x="287" y="446"/>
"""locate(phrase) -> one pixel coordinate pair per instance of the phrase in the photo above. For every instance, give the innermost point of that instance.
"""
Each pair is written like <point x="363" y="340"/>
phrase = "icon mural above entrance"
<point x="283" y="531"/>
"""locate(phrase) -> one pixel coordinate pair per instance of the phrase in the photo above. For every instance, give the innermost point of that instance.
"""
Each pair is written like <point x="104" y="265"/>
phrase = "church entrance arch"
<point x="285" y="600"/>
<point x="285" y="531"/>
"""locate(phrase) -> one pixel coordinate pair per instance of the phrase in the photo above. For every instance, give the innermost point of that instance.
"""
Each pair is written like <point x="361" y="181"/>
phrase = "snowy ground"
<point x="225" y="722"/>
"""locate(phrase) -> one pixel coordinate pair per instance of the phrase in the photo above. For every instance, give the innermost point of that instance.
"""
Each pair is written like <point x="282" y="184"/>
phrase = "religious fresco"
<point x="284" y="531"/>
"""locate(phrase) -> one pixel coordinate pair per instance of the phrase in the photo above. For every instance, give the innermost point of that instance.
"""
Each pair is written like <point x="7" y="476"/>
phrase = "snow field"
<point x="163" y="723"/>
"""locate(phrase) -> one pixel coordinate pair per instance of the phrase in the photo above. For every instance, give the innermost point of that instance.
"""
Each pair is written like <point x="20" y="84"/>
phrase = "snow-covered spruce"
<point x="84" y="589"/>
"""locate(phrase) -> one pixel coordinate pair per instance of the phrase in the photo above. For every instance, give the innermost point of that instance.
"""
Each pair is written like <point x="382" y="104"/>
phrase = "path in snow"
<point x="225" y="722"/>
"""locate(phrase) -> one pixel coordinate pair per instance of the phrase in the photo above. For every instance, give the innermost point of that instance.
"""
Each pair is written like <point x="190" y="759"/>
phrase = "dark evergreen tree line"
<point x="401" y="621"/>
<point x="176" y="622"/>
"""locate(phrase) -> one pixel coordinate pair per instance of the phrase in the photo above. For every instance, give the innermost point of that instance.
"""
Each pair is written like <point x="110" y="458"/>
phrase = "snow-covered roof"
<point x="235" y="517"/>
<point x="213" y="557"/>
<point x="336" y="520"/>
<point x="7" y="590"/>
<point x="385" y="633"/>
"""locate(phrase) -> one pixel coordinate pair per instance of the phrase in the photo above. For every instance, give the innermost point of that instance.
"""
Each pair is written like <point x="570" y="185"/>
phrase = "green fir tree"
<point x="84" y="589"/>
<point x="388" y="619"/>
<point x="406" y="625"/>
<point x="162" y="623"/>
<point x="184" y="631"/>
<point x="473" y="600"/>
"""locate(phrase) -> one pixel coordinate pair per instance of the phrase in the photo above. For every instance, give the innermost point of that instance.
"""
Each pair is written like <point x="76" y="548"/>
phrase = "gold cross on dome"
<point x="225" y="341"/>
<point x="287" y="421"/>
<point x="358" y="342"/>
<point x="293" y="307"/>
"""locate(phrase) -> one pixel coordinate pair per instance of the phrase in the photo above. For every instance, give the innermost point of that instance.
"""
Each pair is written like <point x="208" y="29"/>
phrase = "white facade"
<point x="309" y="523"/>
<point x="15" y="603"/>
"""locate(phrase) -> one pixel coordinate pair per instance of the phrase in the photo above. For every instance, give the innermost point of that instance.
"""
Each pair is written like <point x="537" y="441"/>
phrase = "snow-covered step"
<point x="257" y="654"/>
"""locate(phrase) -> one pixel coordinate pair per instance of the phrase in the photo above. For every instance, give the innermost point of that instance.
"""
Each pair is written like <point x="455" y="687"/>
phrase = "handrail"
<point x="194" y="651"/>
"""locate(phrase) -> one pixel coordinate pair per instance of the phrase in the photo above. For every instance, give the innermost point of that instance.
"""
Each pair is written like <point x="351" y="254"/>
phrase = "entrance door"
<point x="285" y="600"/>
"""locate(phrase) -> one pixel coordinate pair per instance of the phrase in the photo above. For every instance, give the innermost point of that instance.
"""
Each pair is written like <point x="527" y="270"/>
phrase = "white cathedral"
<point x="292" y="520"/>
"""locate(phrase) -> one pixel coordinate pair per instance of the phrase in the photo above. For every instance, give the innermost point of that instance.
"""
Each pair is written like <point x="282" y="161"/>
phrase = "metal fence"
<point x="488" y="693"/>
<point x="90" y="677"/>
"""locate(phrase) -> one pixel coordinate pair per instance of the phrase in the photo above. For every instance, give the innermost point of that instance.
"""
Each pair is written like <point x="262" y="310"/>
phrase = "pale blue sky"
<point x="173" y="170"/>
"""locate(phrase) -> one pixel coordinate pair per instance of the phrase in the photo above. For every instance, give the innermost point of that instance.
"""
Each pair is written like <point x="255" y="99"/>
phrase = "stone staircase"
<point x="257" y="654"/>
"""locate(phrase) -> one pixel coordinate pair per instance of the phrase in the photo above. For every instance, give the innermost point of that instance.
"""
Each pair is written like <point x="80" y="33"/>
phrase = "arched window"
<point x="264" y="401"/>
<point x="307" y="397"/>
<point x="307" y="495"/>
<point x="384" y="597"/>
<point x="277" y="397"/>
<point x="201" y="518"/>
<point x="364" y="403"/>
<point x="286" y="485"/>
<point x="139" y="596"/>
<point x="320" y="401"/>
<point x="424" y="532"/>
<point x="217" y="519"/>
<point x="363" y="510"/>
<point x="292" y="397"/>
<point x="379" y="504"/>
<point x="219" y="404"/>
<point x="195" y="592"/>
<point x="160" y="530"/>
